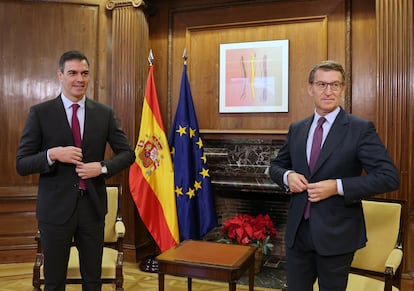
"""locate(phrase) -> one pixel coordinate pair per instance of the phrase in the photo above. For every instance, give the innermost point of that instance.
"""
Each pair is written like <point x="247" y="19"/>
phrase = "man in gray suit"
<point x="72" y="200"/>
<point x="325" y="223"/>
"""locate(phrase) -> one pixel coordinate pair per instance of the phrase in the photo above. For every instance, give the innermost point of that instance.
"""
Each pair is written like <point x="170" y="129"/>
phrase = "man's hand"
<point x="297" y="182"/>
<point x="322" y="190"/>
<point x="316" y="191"/>
<point x="89" y="170"/>
<point x="69" y="154"/>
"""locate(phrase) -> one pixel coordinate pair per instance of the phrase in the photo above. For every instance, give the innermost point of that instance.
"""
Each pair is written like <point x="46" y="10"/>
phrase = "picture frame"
<point x="254" y="77"/>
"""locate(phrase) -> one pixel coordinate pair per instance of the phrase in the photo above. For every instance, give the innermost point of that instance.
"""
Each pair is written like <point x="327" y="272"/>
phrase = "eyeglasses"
<point x="335" y="86"/>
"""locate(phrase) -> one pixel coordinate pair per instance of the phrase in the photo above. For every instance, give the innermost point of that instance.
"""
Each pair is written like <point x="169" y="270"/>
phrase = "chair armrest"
<point x="120" y="228"/>
<point x="394" y="259"/>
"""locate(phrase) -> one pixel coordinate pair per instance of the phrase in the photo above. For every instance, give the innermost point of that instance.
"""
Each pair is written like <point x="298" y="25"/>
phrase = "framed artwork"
<point x="254" y="77"/>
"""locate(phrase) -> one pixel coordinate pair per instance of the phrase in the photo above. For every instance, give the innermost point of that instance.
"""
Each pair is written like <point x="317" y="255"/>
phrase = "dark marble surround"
<point x="241" y="164"/>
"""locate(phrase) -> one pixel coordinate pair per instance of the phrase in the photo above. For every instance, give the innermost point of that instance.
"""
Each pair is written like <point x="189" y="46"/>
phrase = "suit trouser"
<point x="87" y="230"/>
<point x="304" y="265"/>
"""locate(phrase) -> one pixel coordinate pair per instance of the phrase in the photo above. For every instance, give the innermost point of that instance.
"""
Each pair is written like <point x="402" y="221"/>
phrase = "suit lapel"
<point x="302" y="140"/>
<point x="61" y="118"/>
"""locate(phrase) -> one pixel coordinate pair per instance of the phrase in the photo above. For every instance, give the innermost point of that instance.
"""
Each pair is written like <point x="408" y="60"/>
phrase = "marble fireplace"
<point x="241" y="185"/>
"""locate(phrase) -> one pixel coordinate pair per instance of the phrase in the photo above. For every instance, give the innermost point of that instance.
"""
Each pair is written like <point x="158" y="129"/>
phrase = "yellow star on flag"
<point x="197" y="185"/>
<point x="190" y="193"/>
<point x="205" y="173"/>
<point x="178" y="190"/>
<point x="192" y="132"/>
<point x="200" y="143"/>
<point x="181" y="130"/>
<point x="204" y="158"/>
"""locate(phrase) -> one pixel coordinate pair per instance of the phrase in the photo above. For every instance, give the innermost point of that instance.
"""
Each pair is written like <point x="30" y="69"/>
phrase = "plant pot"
<point x="258" y="260"/>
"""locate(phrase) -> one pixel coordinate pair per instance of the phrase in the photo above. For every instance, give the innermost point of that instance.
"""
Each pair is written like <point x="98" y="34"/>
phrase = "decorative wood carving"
<point x="395" y="99"/>
<point x="348" y="57"/>
<point x="128" y="73"/>
<point x="395" y="90"/>
<point x="112" y="4"/>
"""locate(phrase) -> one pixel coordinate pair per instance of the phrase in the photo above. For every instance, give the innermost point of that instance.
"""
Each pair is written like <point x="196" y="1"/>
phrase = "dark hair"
<point x="327" y="66"/>
<point x="71" y="55"/>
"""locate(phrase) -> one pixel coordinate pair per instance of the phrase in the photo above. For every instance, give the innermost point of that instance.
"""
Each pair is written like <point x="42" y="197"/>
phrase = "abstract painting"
<point x="254" y="77"/>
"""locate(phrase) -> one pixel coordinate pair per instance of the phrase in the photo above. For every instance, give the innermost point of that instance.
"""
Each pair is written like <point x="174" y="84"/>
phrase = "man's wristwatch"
<point x="104" y="169"/>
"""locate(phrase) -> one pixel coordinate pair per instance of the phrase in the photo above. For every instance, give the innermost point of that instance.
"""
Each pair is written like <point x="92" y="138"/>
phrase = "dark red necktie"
<point x="77" y="136"/>
<point x="315" y="150"/>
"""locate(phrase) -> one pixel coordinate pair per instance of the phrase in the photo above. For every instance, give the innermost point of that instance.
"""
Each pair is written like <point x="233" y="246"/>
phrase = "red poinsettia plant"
<point x="246" y="229"/>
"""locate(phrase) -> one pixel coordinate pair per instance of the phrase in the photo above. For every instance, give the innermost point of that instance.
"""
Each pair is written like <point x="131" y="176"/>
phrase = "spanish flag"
<point x="151" y="177"/>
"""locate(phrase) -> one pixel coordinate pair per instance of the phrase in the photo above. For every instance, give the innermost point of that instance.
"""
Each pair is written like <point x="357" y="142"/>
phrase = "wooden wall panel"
<point x="203" y="47"/>
<point x="395" y="103"/>
<point x="307" y="29"/>
<point x="19" y="224"/>
<point x="33" y="36"/>
<point x="363" y="59"/>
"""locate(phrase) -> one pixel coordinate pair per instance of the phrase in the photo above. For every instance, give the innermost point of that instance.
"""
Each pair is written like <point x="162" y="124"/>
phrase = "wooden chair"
<point x="376" y="267"/>
<point x="112" y="260"/>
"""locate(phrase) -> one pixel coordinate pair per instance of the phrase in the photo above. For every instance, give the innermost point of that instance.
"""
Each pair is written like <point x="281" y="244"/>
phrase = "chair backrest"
<point x="114" y="193"/>
<point x="382" y="220"/>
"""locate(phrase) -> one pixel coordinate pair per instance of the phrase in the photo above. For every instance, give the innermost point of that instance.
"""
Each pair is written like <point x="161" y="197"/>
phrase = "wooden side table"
<point x="207" y="260"/>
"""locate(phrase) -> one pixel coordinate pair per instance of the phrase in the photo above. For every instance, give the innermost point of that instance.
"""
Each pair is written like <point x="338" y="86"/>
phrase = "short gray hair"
<point x="327" y="66"/>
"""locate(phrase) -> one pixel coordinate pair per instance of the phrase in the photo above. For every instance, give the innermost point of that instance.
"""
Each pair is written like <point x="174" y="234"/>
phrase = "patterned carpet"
<point x="19" y="277"/>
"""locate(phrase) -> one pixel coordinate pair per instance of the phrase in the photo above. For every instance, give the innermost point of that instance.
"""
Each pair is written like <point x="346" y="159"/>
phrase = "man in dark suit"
<point x="325" y="224"/>
<point x="72" y="200"/>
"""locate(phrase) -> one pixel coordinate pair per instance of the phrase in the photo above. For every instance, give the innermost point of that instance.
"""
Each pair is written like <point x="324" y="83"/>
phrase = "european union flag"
<point x="195" y="203"/>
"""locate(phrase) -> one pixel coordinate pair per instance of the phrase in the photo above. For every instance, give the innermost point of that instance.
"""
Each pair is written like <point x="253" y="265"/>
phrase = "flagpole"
<point x="194" y="198"/>
<point x="151" y="177"/>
